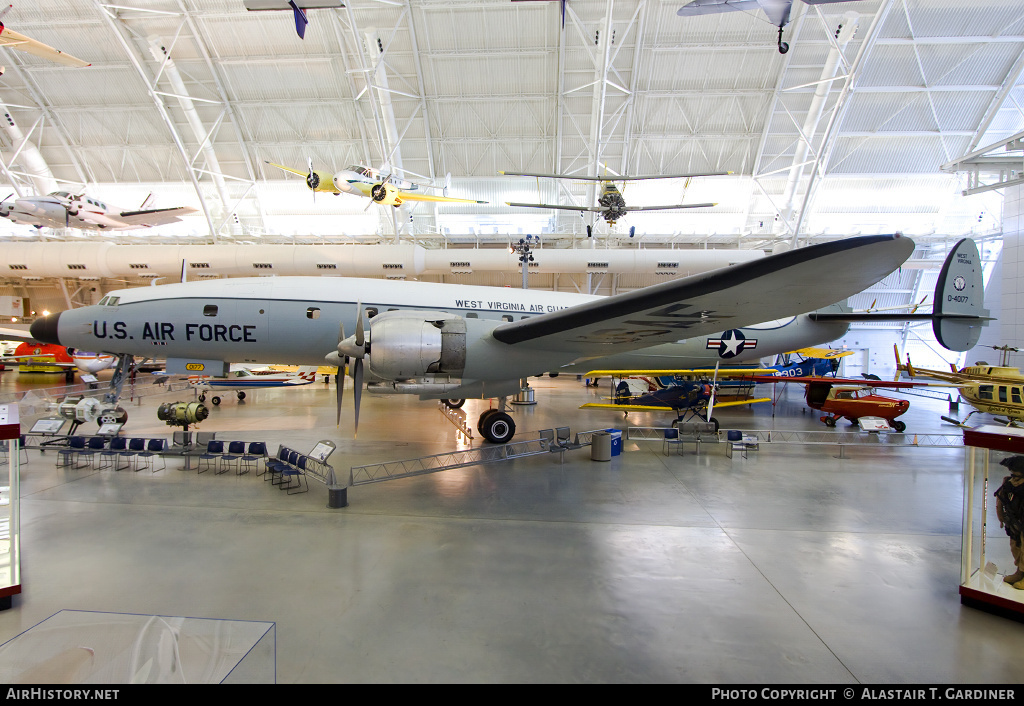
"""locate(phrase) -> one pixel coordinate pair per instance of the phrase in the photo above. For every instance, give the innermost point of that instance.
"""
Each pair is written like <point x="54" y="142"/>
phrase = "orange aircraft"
<point x="852" y="399"/>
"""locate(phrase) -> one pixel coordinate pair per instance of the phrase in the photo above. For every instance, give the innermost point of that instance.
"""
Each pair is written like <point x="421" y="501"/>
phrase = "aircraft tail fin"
<point x="300" y="20"/>
<point x="958" y="312"/>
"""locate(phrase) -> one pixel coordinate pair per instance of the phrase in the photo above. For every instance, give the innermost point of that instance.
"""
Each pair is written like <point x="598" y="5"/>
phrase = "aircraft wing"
<point x="689" y="371"/>
<point x="822" y="353"/>
<point x="417" y="196"/>
<point x="861" y="382"/>
<point x="770" y="288"/>
<point x="612" y="177"/>
<point x="668" y="208"/>
<point x="660" y="408"/>
<point x="14" y="334"/>
<point x="14" y="40"/>
<point x="154" y="216"/>
<point x="713" y="7"/>
<point x="560" y="207"/>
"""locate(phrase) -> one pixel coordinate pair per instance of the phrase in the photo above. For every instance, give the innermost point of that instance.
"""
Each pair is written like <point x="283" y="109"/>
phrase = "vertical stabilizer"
<point x="958" y="311"/>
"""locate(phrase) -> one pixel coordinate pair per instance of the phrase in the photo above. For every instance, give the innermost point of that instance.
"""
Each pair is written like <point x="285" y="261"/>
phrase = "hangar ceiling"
<point x="843" y="134"/>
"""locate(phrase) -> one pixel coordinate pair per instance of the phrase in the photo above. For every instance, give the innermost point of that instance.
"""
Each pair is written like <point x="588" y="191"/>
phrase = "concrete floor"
<point x="788" y="566"/>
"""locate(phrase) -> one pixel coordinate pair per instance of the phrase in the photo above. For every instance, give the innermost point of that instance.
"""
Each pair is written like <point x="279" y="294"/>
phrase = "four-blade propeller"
<point x="352" y="348"/>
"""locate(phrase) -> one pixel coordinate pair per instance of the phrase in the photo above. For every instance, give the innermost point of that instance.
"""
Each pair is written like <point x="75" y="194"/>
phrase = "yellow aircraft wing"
<point x="691" y="371"/>
<point x="14" y="40"/>
<point x="826" y="353"/>
<point x="659" y="408"/>
<point x="416" y="196"/>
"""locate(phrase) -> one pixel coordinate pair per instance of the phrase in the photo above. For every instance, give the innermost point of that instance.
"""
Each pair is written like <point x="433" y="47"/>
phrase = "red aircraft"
<point x="852" y="399"/>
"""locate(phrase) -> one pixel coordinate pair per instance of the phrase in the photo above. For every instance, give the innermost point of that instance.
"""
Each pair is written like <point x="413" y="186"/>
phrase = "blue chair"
<point x="214" y="450"/>
<point x="671" y="440"/>
<point x="251" y="460"/>
<point x="114" y="452"/>
<point x="154" y="449"/>
<point x="276" y="464"/>
<point x="236" y="449"/>
<point x="69" y="454"/>
<point x="93" y="448"/>
<point x="294" y="477"/>
<point x="135" y="447"/>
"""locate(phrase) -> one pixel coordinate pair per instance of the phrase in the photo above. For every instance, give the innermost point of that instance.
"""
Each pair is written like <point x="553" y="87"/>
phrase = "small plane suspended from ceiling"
<point x="611" y="204"/>
<point x="14" y="40"/>
<point x="63" y="209"/>
<point x="298" y="8"/>
<point x="778" y="11"/>
<point x="366" y="182"/>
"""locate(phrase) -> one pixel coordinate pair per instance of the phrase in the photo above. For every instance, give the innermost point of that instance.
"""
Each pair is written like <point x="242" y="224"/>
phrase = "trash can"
<point x="616" y="441"/>
<point x="601" y="446"/>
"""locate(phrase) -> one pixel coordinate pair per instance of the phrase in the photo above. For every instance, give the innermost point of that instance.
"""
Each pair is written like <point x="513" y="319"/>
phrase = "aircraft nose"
<point x="44" y="330"/>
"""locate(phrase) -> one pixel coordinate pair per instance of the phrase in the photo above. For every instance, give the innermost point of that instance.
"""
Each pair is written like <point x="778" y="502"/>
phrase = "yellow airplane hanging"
<point x="368" y="183"/>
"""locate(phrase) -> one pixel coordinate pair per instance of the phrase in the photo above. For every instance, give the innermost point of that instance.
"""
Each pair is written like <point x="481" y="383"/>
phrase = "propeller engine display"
<point x="181" y="414"/>
<point x="386" y="194"/>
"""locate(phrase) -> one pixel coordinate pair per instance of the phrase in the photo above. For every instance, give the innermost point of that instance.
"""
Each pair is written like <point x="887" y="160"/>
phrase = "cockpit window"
<point x="103" y="301"/>
<point x="112" y="301"/>
<point x="361" y="170"/>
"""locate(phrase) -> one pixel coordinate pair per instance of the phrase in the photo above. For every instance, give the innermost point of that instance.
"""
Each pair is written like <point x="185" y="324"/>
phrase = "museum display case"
<point x="993" y="519"/>
<point x="10" y="526"/>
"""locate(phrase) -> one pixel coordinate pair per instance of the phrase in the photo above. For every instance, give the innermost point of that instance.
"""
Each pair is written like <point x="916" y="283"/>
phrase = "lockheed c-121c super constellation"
<point x="450" y="341"/>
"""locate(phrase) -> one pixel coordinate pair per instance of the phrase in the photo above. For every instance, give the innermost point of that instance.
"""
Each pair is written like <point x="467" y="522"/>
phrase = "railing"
<point x="391" y="470"/>
<point x="833" y="438"/>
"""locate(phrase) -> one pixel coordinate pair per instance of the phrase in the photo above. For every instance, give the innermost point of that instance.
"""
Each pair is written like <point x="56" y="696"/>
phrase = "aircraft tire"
<point x="215" y="400"/>
<point x="854" y="422"/>
<point x="783" y="47"/>
<point x="899" y="426"/>
<point x="715" y="423"/>
<point x="202" y="398"/>
<point x="483" y="417"/>
<point x="241" y="395"/>
<point x="830" y="421"/>
<point x="454" y="404"/>
<point x="499" y="428"/>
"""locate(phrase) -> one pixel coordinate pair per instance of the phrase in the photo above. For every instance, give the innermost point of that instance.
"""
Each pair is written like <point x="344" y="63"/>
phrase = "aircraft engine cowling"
<point x="386" y="194"/>
<point x="407" y="344"/>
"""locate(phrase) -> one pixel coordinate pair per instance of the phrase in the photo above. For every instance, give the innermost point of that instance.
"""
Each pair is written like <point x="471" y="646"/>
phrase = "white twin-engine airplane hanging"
<point x="63" y="209"/>
<point x="450" y="341"/>
<point x="363" y="181"/>
<point x="14" y="40"/>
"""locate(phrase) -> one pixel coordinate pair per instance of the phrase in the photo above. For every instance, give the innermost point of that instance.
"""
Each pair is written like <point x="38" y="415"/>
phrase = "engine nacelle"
<point x="386" y="194"/>
<point x="410" y="344"/>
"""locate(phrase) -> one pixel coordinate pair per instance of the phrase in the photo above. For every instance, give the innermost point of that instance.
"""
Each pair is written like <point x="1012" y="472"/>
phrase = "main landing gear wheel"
<point x="829" y="421"/>
<point x="497" y="427"/>
<point x="454" y="404"/>
<point x="899" y="426"/>
<point x="202" y="398"/>
<point x="215" y="400"/>
<point x="713" y="421"/>
<point x="241" y="395"/>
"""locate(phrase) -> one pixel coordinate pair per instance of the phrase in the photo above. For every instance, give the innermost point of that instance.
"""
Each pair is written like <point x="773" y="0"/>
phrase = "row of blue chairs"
<point x="94" y="451"/>
<point x="287" y="470"/>
<point x="221" y="457"/>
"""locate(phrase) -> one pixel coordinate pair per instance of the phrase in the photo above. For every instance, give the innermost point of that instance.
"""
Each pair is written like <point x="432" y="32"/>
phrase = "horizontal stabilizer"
<point x="958" y="313"/>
